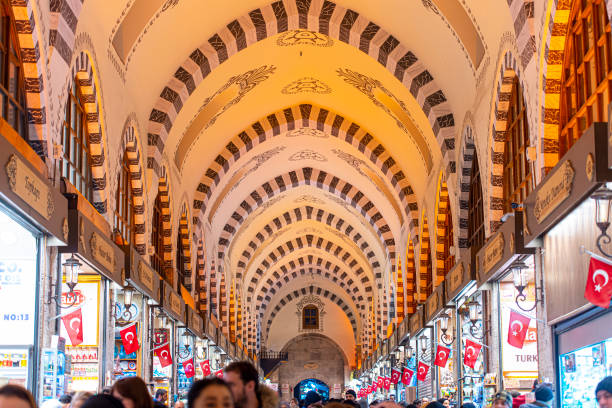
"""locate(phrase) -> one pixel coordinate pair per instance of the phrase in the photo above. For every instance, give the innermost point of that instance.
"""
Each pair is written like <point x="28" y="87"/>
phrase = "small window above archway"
<point x="310" y="312"/>
<point x="310" y="318"/>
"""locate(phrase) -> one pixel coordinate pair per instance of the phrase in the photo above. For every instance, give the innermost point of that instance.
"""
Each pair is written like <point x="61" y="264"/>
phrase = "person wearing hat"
<point x="603" y="393"/>
<point x="543" y="397"/>
<point x="502" y="399"/>
<point x="312" y="397"/>
<point x="350" y="395"/>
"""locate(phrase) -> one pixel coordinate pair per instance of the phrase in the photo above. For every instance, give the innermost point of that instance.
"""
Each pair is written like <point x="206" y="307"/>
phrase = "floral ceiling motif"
<point x="306" y="85"/>
<point x="303" y="37"/>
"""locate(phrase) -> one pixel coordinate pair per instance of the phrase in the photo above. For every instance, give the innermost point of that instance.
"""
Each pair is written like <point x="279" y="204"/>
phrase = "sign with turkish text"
<point x="554" y="191"/>
<point x="103" y="252"/>
<point x="29" y="187"/>
<point x="145" y="276"/>
<point x="493" y="253"/>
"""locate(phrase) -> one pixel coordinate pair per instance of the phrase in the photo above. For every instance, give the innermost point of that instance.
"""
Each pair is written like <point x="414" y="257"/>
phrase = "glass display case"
<point x="580" y="371"/>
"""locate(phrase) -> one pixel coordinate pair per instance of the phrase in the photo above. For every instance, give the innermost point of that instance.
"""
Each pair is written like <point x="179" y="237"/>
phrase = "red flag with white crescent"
<point x="387" y="382"/>
<point x="129" y="338"/>
<point x="73" y="323"/>
<point x="407" y="376"/>
<point x="422" y="371"/>
<point x="395" y="376"/>
<point x="189" y="368"/>
<point x="442" y="354"/>
<point x="205" y="366"/>
<point x="472" y="351"/>
<point x="598" y="289"/>
<point x="163" y="353"/>
<point x="381" y="382"/>
<point x="219" y="373"/>
<point x="374" y="386"/>
<point x="517" y="330"/>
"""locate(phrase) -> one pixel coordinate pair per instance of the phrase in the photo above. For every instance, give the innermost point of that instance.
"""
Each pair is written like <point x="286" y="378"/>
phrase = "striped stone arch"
<point x="130" y="144"/>
<point x="223" y="302"/>
<point x="305" y="264"/>
<point x="411" y="280"/>
<point x="324" y="17"/>
<point x="465" y="165"/>
<point x="201" y="281"/>
<point x="64" y="19"/>
<point x="271" y="287"/>
<point x="425" y="263"/>
<point x="522" y="12"/>
<point x="308" y="213"/>
<point x="399" y="293"/>
<point x="214" y="299"/>
<point x="552" y="72"/>
<point x="163" y="192"/>
<point x="508" y="71"/>
<point x="443" y="235"/>
<point x="83" y="73"/>
<point x="232" y="313"/>
<point x="314" y="290"/>
<point x="33" y="68"/>
<point x="185" y="237"/>
<point x="312" y="117"/>
<point x="309" y="176"/>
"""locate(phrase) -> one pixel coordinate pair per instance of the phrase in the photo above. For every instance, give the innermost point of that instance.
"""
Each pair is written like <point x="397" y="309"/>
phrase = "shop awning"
<point x="172" y="303"/>
<point x="140" y="275"/>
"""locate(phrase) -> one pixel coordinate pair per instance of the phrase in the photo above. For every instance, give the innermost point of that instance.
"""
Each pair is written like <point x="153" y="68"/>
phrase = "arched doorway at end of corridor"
<point x="311" y="384"/>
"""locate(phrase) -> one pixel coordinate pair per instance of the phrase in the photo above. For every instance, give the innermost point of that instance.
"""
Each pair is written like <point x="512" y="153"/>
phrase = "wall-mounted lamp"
<point x="200" y="354"/>
<point x="425" y="354"/>
<point x="602" y="197"/>
<point x="125" y="316"/>
<point x="71" y="268"/>
<point x="444" y="322"/>
<point x="473" y="313"/>
<point x="186" y="352"/>
<point x="519" y="277"/>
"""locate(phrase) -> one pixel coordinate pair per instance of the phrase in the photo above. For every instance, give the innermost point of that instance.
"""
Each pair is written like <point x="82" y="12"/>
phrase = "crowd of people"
<point x="240" y="388"/>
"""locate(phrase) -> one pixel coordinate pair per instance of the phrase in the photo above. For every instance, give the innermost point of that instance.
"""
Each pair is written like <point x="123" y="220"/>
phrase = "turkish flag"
<point x="73" y="323"/>
<point x="370" y="389"/>
<point x="219" y="373"/>
<point x="407" y="376"/>
<point x="205" y="366"/>
<point x="598" y="289"/>
<point x="163" y="353"/>
<point x="129" y="338"/>
<point x="188" y="368"/>
<point x="381" y="382"/>
<point x="442" y="354"/>
<point x="517" y="330"/>
<point x="374" y="386"/>
<point x="472" y="350"/>
<point x="422" y="371"/>
<point x="387" y="382"/>
<point x="395" y="376"/>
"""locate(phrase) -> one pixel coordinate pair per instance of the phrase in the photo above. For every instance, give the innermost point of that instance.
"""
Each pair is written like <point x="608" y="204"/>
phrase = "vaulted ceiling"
<point x="308" y="136"/>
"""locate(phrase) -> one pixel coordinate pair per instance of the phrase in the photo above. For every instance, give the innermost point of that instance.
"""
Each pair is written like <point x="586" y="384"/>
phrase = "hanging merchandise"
<point x="442" y="354"/>
<point x="395" y="376"/>
<point x="205" y="365"/>
<point x="73" y="323"/>
<point x="422" y="371"/>
<point x="517" y="329"/>
<point x="472" y="351"/>
<point x="598" y="289"/>
<point x="163" y="353"/>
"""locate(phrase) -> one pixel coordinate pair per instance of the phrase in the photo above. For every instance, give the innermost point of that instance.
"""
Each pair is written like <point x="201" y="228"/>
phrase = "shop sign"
<point x="195" y="322"/>
<point x="175" y="303"/>
<point x="102" y="252"/>
<point x="145" y="276"/>
<point x="83" y="354"/>
<point x="415" y="323"/>
<point x="554" y="191"/>
<point x="29" y="187"/>
<point x="493" y="253"/>
<point x="433" y="303"/>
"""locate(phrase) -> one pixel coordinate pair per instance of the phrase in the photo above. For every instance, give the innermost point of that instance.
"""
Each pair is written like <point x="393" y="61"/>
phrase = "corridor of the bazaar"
<point x="305" y="204"/>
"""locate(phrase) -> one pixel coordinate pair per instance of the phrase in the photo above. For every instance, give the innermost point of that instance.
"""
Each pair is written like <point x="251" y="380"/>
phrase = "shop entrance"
<point x="311" y="384"/>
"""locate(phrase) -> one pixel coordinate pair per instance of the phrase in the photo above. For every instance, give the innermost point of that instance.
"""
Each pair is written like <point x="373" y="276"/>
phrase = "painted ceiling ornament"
<point x="303" y="37"/>
<point x="306" y="85"/>
<point x="308" y="199"/>
<point x="394" y="107"/>
<point x="428" y="4"/>
<point x="307" y="155"/>
<point x="305" y="131"/>
<point x="353" y="161"/>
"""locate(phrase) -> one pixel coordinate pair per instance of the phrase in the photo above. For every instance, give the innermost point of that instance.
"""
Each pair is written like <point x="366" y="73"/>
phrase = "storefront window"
<point x="128" y="365"/>
<point x="186" y="341"/>
<point x="447" y="375"/>
<point x="472" y="384"/>
<point x="18" y="282"/>
<point x="162" y="333"/>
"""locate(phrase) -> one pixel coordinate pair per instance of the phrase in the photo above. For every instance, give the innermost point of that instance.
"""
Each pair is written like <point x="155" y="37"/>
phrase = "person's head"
<point x="15" y="396"/>
<point x="417" y="403"/>
<point x="312" y="397"/>
<point x="468" y="405"/>
<point x="350" y="395"/>
<point x="106" y="390"/>
<point x="65" y="400"/>
<point x="348" y="403"/>
<point x="243" y="380"/>
<point x="102" y="401"/>
<point x="502" y="399"/>
<point x="179" y="404"/>
<point x="210" y="392"/>
<point x="603" y="393"/>
<point x="411" y="406"/>
<point x="161" y="395"/>
<point x="543" y="394"/>
<point x="284" y="404"/>
<point x="445" y="402"/>
<point x="132" y="392"/>
<point x="79" y="398"/>
<point x="434" y="404"/>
